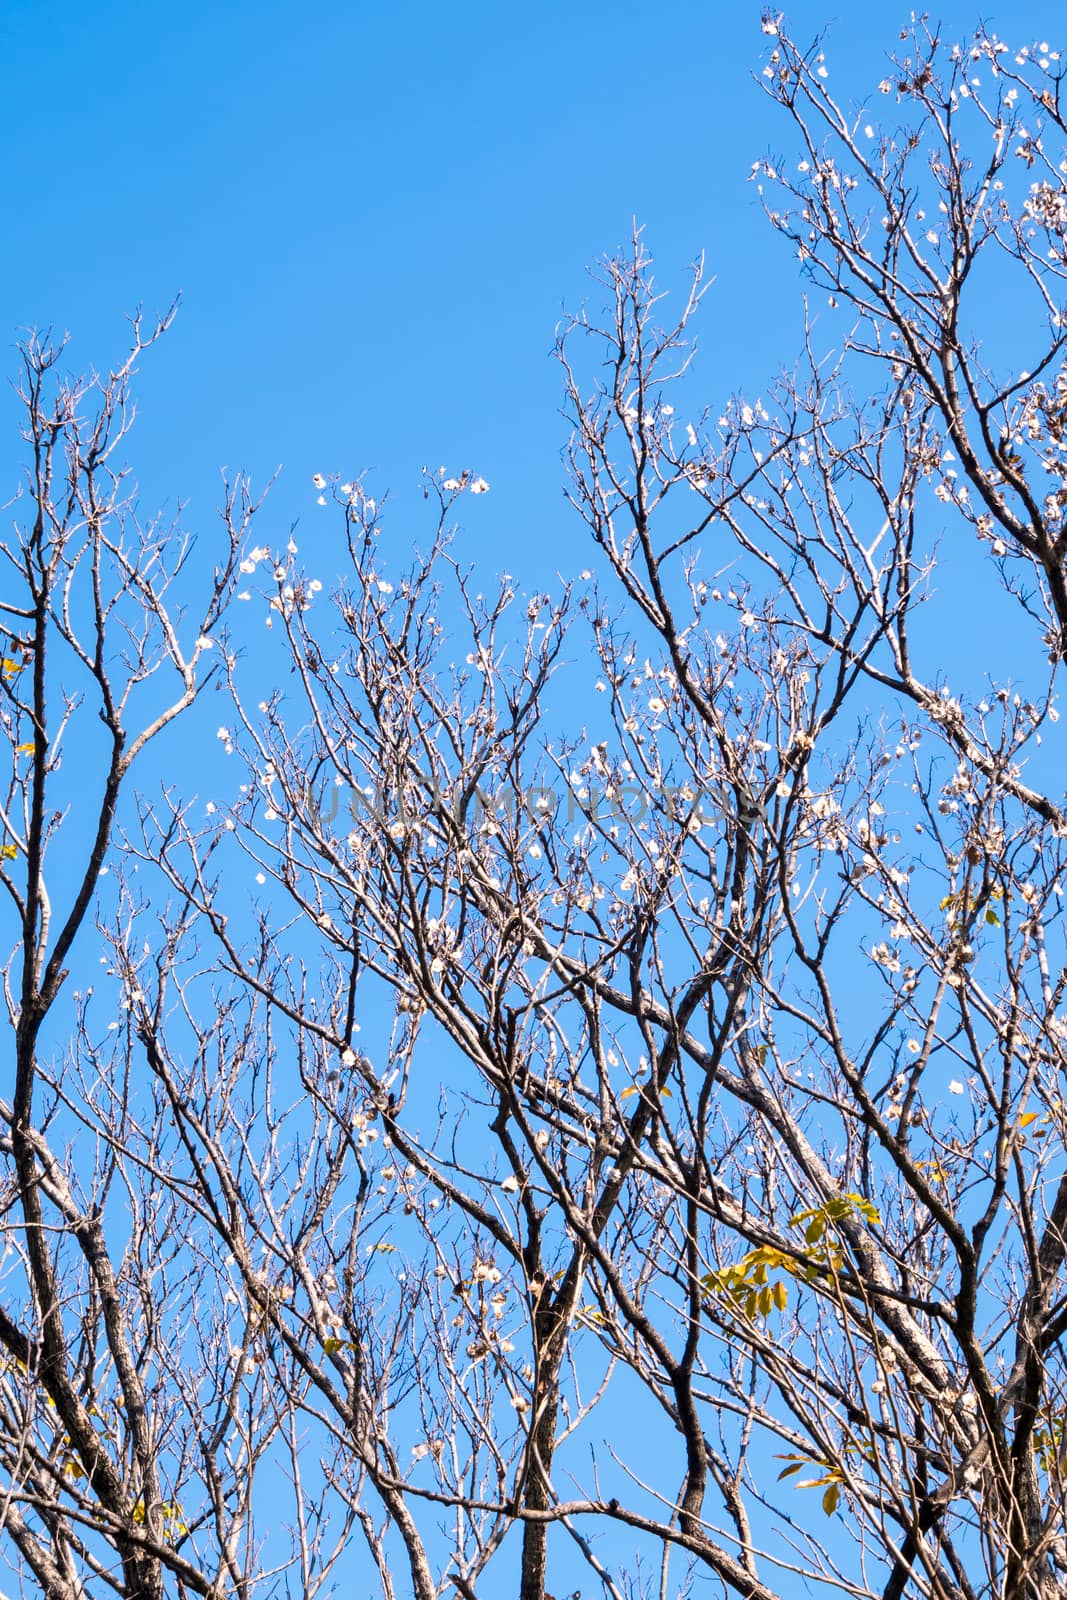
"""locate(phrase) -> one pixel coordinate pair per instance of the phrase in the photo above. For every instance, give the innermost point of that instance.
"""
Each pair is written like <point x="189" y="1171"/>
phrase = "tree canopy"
<point x="580" y="1104"/>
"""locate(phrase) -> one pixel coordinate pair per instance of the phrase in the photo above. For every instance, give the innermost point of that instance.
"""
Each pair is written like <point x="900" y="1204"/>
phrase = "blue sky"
<point x="376" y="215"/>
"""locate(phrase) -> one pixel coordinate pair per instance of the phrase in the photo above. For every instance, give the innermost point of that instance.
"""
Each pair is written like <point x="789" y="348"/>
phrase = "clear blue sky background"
<point x="377" y="213"/>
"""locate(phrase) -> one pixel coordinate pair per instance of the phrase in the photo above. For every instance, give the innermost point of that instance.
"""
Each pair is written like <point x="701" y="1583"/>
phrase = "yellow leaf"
<point x="831" y="1498"/>
<point x="25" y="749"/>
<point x="635" y="1088"/>
<point x="332" y="1345"/>
<point x="1028" y="1117"/>
<point x="173" y="1520"/>
<point x="8" y="852"/>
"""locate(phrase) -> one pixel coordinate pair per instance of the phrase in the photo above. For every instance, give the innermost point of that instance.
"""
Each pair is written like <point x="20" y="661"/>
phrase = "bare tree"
<point x="115" y="1390"/>
<point x="619" y="1145"/>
